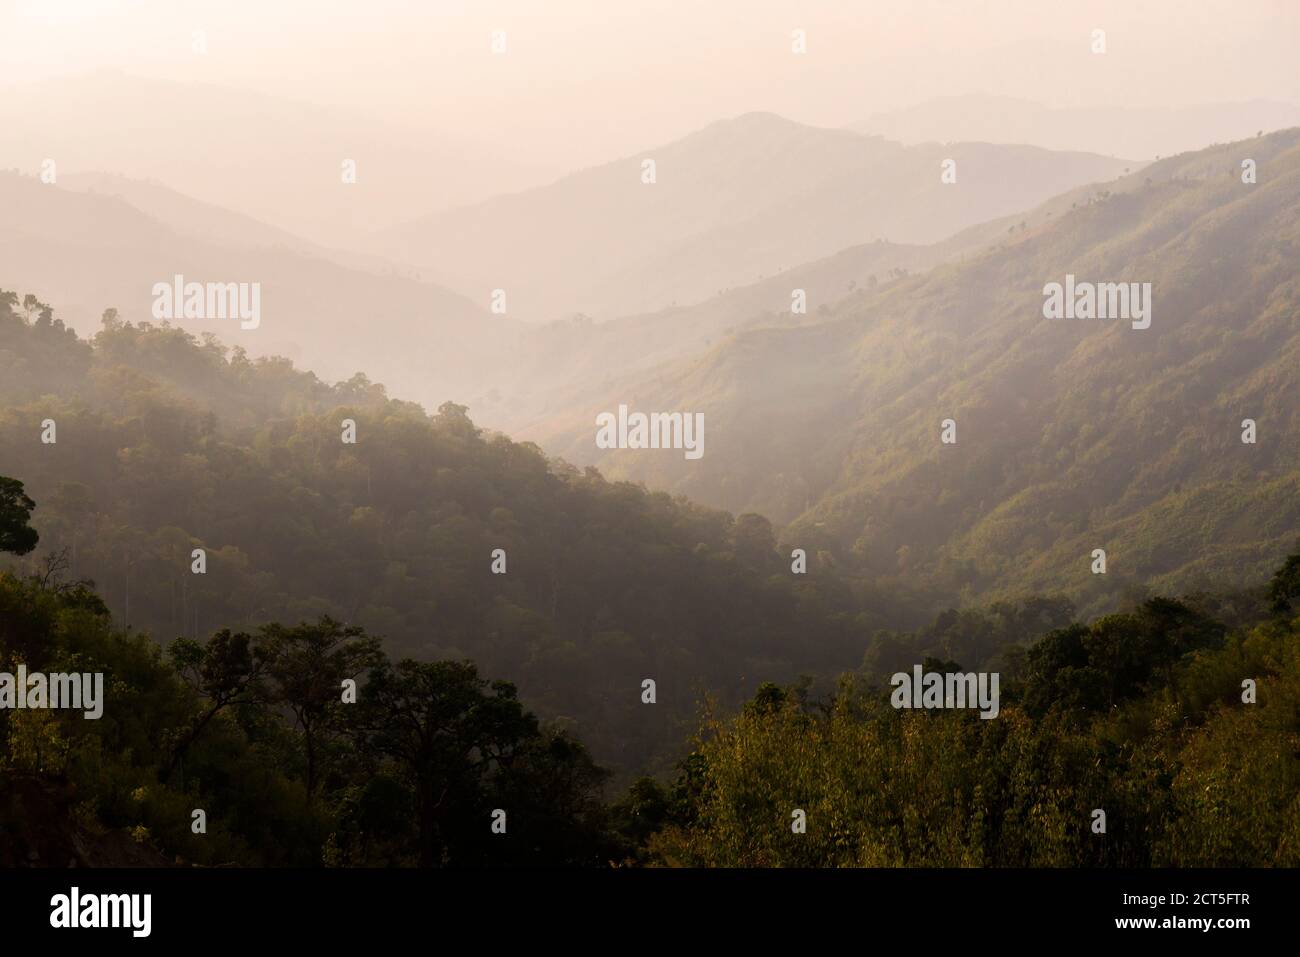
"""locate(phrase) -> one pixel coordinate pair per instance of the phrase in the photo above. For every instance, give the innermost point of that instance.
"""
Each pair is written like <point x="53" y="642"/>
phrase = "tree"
<point x="455" y="418"/>
<point x="37" y="312"/>
<point x="1285" y="585"/>
<point x="307" y="665"/>
<point x="645" y="809"/>
<point x="448" y="729"/>
<point x="225" y="671"/>
<point x="16" y="535"/>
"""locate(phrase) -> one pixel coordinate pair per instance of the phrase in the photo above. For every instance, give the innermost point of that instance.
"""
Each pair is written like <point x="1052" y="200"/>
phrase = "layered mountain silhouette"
<point x="1072" y="435"/>
<point x="731" y="204"/>
<point x="94" y="240"/>
<point x="276" y="159"/>
<point x="84" y="252"/>
<point x="1135" y="132"/>
<point x="923" y="302"/>
<point x="561" y="367"/>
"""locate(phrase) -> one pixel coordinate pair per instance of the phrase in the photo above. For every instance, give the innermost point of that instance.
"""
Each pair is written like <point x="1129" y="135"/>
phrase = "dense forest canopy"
<point x="165" y="444"/>
<point x="239" y="749"/>
<point x="1141" y="716"/>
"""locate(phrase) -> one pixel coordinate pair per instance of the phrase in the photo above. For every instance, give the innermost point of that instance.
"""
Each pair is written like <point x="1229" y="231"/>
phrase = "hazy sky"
<point x="587" y="80"/>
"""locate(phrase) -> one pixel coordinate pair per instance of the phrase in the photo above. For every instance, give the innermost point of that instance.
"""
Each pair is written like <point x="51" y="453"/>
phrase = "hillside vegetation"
<point x="1072" y="435"/>
<point x="164" y="445"/>
<point x="238" y="748"/>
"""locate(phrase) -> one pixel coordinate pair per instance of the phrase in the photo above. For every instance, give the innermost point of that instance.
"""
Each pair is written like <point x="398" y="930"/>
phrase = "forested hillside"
<point x="332" y="312"/>
<point x="248" y="729"/>
<point x="1177" y="720"/>
<point x="164" y="445"/>
<point x="1070" y="435"/>
<point x="1181" y="731"/>
<point x="1176" y="717"/>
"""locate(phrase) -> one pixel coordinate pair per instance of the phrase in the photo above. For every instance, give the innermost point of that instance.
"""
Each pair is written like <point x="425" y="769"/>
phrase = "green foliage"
<point x="1090" y="669"/>
<point x="307" y="666"/>
<point x="1285" y="586"/>
<point x="250" y="729"/>
<point x="975" y="636"/>
<point x="1070" y="435"/>
<point x="1139" y="714"/>
<point x="16" y="535"/>
<point x="168" y="444"/>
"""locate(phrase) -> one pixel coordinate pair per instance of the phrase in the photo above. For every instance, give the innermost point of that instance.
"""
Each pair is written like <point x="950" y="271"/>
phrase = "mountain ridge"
<point x="735" y="200"/>
<point x="967" y="340"/>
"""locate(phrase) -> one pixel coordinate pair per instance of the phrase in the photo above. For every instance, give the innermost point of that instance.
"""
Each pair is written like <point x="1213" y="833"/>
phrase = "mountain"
<point x="1139" y="133"/>
<point x="215" y="224"/>
<point x="564" y="372"/>
<point x="187" y="216"/>
<point x="1071" y="435"/>
<point x="83" y="252"/>
<point x="737" y="201"/>
<point x="275" y="159"/>
<point x="165" y="444"/>
<point x="567" y="370"/>
<point x="96" y="240"/>
<point x="560" y="366"/>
